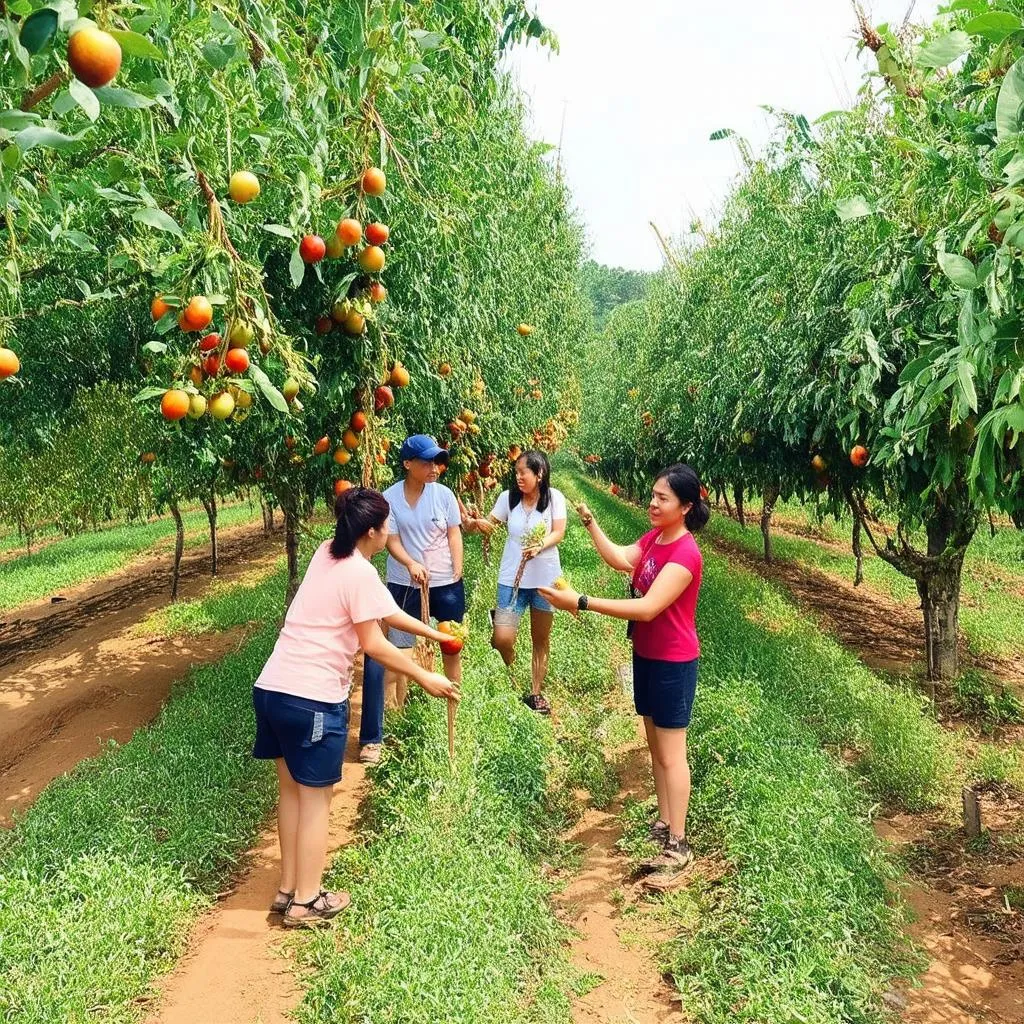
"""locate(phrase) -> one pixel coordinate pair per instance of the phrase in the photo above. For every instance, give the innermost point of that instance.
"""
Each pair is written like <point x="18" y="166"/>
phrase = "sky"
<point x="641" y="86"/>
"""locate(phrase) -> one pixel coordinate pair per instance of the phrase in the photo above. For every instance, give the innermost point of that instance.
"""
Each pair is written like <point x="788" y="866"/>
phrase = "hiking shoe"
<point x="537" y="702"/>
<point x="658" y="834"/>
<point x="675" y="857"/>
<point x="370" y="754"/>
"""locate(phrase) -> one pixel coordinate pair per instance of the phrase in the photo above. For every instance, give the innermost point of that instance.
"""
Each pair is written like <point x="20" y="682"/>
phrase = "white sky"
<point x="643" y="85"/>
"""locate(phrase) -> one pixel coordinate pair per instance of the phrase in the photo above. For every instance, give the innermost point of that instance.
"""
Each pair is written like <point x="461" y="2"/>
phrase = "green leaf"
<point x="157" y="219"/>
<point x="722" y="133"/>
<point x="942" y="50"/>
<point x="38" y="30"/>
<point x="111" y="96"/>
<point x="1008" y="104"/>
<point x="279" y="229"/>
<point x="853" y="208"/>
<point x="427" y="40"/>
<point x="85" y="98"/>
<point x="297" y="267"/>
<point x="147" y="393"/>
<point x="959" y="270"/>
<point x="135" y="45"/>
<point x="80" y="240"/>
<point x="272" y="395"/>
<point x="994" y="26"/>
<point x="14" y="120"/>
<point x="965" y="374"/>
<point x="37" y="135"/>
<point x="159" y="347"/>
<point x="218" y="55"/>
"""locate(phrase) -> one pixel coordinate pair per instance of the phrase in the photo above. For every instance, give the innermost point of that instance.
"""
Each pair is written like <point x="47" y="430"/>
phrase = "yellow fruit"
<point x="196" y="407"/>
<point x="341" y="456"/>
<point x="244" y="400"/>
<point x="561" y="583"/>
<point x="290" y="389"/>
<point x="244" y="186"/>
<point x="222" y="406"/>
<point x="350" y="439"/>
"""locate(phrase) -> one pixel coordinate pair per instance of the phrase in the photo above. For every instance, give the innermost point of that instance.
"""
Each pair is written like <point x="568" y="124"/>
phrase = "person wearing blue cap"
<point x="424" y="546"/>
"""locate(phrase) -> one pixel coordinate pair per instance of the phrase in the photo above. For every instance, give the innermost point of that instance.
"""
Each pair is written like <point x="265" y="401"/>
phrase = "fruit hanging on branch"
<point x="342" y="456"/>
<point x="94" y="56"/>
<point x="158" y="308"/>
<point x="290" y="390"/>
<point x="175" y="404"/>
<point x="525" y="330"/>
<point x="341" y="486"/>
<point x="859" y="456"/>
<point x="358" y="421"/>
<point x="222" y="405"/>
<point x="324" y="325"/>
<point x="243" y="187"/>
<point x="321" y="447"/>
<point x="373" y="182"/>
<point x="349" y="232"/>
<point x="377" y="233"/>
<point x="9" y="363"/>
<point x="818" y="464"/>
<point x="312" y="248"/>
<point x="209" y="342"/>
<point x="399" y="376"/>
<point x="383" y="398"/>
<point x="196" y="407"/>
<point x="197" y="314"/>
<point x="378" y="293"/>
<point x="237" y="360"/>
<point x="372" y="259"/>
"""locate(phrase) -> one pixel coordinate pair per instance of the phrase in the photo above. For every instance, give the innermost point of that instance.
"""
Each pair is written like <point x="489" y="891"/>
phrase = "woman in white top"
<point x="529" y="501"/>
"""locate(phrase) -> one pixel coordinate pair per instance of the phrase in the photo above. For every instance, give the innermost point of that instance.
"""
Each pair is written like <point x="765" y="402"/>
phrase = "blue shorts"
<point x="528" y="597"/>
<point x="664" y="691"/>
<point x="447" y="604"/>
<point x="309" y="734"/>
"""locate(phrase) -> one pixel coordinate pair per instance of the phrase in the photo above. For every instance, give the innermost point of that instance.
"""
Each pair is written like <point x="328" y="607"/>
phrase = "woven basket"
<point x="424" y="652"/>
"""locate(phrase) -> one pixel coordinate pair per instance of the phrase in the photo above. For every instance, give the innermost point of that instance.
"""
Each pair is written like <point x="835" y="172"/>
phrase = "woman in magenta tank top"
<point x="665" y="566"/>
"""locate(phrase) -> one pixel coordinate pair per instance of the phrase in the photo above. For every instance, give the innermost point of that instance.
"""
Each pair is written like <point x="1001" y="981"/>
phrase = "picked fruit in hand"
<point x="458" y="633"/>
<point x="535" y="537"/>
<point x="561" y="584"/>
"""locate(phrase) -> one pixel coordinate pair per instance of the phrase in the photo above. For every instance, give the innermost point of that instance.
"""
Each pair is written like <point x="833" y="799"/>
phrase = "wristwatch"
<point x="582" y="603"/>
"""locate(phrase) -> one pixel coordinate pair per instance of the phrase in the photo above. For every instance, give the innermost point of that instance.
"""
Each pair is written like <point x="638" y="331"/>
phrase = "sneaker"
<point x="370" y="754"/>
<point x="537" y="702"/>
<point x="674" y="858"/>
<point x="658" y="834"/>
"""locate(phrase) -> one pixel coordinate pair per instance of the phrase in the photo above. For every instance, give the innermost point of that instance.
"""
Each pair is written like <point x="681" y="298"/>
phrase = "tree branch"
<point x="41" y="92"/>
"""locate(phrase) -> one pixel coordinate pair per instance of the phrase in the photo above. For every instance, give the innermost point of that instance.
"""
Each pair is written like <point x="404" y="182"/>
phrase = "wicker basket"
<point x="424" y="652"/>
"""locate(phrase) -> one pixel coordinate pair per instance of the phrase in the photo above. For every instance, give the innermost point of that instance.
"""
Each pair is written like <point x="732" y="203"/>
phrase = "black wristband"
<point x="582" y="603"/>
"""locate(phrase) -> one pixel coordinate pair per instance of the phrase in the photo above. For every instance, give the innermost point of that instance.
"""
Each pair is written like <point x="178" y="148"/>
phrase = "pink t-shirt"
<point x="313" y="655"/>
<point x="671" y="635"/>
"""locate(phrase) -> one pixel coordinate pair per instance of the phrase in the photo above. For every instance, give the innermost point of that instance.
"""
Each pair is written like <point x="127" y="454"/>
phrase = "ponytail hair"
<point x="357" y="510"/>
<point x="685" y="485"/>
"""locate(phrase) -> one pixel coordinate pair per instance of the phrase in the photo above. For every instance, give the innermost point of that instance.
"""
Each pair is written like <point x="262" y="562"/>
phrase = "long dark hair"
<point x="358" y="510"/>
<point x="685" y="485"/>
<point x="538" y="464"/>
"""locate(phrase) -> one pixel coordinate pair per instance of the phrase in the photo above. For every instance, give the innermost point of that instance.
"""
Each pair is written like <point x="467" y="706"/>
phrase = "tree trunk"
<point x="858" y="553"/>
<point x="737" y="493"/>
<point x="940" y="602"/>
<point x="268" y="517"/>
<point x="291" y="545"/>
<point x="210" y="504"/>
<point x="179" y="546"/>
<point x="771" y="495"/>
<point x="722" y="495"/>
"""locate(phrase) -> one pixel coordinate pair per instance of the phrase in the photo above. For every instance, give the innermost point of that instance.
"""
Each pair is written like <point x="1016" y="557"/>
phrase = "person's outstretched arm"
<point x="622" y="558"/>
<point x="377" y="646"/>
<point x="667" y="586"/>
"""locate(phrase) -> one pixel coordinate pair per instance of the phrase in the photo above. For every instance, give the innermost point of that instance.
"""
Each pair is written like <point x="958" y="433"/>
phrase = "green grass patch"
<point x="66" y="563"/>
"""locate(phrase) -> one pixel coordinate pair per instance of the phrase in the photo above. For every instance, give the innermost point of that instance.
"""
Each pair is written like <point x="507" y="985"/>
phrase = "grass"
<point x="992" y="596"/>
<point x="802" y="924"/>
<point x="73" y="560"/>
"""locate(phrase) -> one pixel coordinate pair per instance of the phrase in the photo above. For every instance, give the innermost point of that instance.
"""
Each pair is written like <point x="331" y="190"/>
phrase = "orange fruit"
<point x="350" y="231"/>
<point x="342" y="456"/>
<point x="237" y="360"/>
<point x="445" y="369"/>
<point x="372" y="259"/>
<point x="859" y="456"/>
<point x="341" y="486"/>
<point x="175" y="404"/>
<point x="399" y="376"/>
<point x="378" y="293"/>
<point x="358" y="421"/>
<point x="147" y="458"/>
<point x="197" y="314"/>
<point x="157" y="308"/>
<point x="525" y="330"/>
<point x="320" y="448"/>
<point x="373" y="181"/>
<point x="377" y="233"/>
<point x="243" y="187"/>
<point x="355" y="323"/>
<point x="94" y="56"/>
<point x="350" y="439"/>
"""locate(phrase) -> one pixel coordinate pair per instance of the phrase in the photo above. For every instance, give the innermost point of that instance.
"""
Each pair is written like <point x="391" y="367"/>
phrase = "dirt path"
<point x="965" y="919"/>
<point x="79" y="677"/>
<point x="236" y="971"/>
<point x="618" y="950"/>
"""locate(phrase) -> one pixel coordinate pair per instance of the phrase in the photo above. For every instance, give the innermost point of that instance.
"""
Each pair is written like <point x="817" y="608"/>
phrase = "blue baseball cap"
<point x="421" y="446"/>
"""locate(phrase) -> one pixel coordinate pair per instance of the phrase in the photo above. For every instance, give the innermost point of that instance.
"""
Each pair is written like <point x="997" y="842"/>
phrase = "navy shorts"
<point x="309" y="734"/>
<point x="664" y="691"/>
<point x="447" y="604"/>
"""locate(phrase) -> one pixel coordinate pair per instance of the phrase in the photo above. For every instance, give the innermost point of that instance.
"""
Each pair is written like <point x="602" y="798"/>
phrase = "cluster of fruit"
<point x="859" y="456"/>
<point x="459" y="633"/>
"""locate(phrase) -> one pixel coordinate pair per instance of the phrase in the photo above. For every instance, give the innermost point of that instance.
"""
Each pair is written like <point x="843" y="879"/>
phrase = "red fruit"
<point x="377" y="233"/>
<point x="703" y="493"/>
<point x="9" y="363"/>
<point x="378" y="293"/>
<point x="237" y="360"/>
<point x="383" y="398"/>
<point x="323" y="325"/>
<point x="445" y="369"/>
<point x="211" y="366"/>
<point x="358" y="421"/>
<point x="94" y="56"/>
<point x="350" y="231"/>
<point x="374" y="182"/>
<point x="452" y="646"/>
<point x="320" y="448"/>
<point x="312" y="248"/>
<point x="859" y="456"/>
<point x="209" y="342"/>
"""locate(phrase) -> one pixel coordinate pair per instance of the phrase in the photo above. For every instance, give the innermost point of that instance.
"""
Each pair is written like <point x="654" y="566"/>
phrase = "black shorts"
<point x="309" y="734"/>
<point x="664" y="691"/>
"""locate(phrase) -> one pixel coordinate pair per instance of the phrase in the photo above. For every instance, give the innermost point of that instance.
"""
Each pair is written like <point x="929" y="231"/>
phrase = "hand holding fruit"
<point x="561" y="596"/>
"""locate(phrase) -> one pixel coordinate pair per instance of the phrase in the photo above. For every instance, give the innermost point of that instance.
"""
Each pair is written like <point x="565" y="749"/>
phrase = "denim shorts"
<point x="309" y="734"/>
<point x="528" y="597"/>
<point x="664" y="691"/>
<point x="447" y="604"/>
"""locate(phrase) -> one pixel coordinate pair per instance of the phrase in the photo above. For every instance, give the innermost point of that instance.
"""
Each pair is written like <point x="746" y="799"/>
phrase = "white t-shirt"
<point x="423" y="531"/>
<point x="545" y="568"/>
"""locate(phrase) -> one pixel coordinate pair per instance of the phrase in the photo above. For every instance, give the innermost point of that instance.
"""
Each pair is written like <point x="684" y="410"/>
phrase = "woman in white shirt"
<point x="529" y="501"/>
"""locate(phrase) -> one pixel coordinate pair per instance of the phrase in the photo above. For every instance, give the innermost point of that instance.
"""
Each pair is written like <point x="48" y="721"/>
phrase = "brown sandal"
<point x="282" y="901"/>
<point x="320" y="911"/>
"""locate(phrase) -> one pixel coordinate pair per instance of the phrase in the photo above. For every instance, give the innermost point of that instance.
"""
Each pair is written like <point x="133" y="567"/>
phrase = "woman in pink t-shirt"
<point x="665" y="564"/>
<point x="301" y="696"/>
